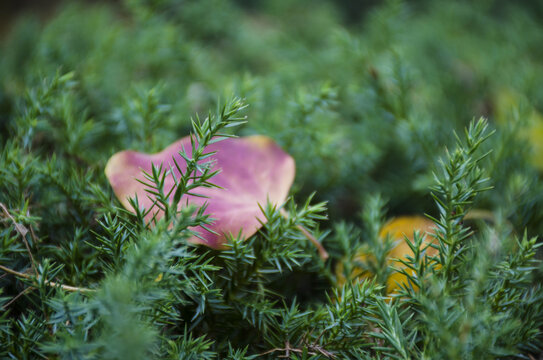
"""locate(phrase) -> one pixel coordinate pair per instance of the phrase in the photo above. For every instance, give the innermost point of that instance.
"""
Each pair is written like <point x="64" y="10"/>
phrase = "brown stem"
<point x="480" y="214"/>
<point x="22" y="230"/>
<point x="17" y="296"/>
<point x="286" y="350"/>
<point x="322" y="251"/>
<point x="47" y="282"/>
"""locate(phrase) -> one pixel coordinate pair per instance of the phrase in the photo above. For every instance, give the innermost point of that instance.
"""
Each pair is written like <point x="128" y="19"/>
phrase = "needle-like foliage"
<point x="368" y="107"/>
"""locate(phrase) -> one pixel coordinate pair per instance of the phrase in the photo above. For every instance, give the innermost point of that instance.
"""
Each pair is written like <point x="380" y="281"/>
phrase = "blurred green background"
<point x="365" y="95"/>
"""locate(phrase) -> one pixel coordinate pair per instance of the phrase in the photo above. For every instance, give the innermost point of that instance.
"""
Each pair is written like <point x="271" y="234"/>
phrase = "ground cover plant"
<point x="411" y="230"/>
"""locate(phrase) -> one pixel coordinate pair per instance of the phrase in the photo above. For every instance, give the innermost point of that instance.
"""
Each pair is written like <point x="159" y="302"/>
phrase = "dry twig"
<point x="322" y="251"/>
<point x="47" y="282"/>
<point x="22" y="230"/>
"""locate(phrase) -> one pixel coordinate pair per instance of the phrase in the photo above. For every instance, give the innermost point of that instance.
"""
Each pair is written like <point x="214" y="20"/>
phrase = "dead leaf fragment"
<point x="253" y="171"/>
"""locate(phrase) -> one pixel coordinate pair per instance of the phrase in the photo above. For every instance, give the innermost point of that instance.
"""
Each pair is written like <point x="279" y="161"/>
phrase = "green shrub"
<point x="368" y="111"/>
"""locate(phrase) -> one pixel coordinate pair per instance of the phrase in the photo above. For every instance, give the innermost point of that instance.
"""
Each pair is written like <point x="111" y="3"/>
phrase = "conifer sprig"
<point x="457" y="183"/>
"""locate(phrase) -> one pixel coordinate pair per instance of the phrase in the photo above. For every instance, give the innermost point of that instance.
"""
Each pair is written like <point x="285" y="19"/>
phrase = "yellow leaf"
<point x="397" y="229"/>
<point x="506" y="101"/>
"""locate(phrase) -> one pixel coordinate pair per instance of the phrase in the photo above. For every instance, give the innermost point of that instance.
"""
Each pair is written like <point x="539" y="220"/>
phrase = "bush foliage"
<point x="378" y="112"/>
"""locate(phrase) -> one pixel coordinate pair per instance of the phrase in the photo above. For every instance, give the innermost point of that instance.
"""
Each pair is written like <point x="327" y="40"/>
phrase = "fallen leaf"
<point x="506" y="101"/>
<point x="254" y="170"/>
<point x="397" y="229"/>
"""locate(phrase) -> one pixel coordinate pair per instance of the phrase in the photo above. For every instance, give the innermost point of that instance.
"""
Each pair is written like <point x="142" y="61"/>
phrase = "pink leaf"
<point x="253" y="171"/>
